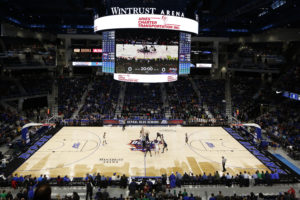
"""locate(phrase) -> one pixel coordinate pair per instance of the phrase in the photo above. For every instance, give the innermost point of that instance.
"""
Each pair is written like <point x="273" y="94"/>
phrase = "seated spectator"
<point x="66" y="180"/>
<point x="75" y="196"/>
<point x="3" y="194"/>
<point x="42" y="192"/>
<point x="212" y="197"/>
<point x="59" y="180"/>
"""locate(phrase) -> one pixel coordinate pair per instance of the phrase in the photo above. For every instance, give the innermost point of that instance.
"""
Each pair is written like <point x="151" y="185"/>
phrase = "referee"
<point x="224" y="163"/>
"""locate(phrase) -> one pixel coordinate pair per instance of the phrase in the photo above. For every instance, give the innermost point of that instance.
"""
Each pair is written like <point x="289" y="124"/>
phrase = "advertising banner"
<point x="145" y="21"/>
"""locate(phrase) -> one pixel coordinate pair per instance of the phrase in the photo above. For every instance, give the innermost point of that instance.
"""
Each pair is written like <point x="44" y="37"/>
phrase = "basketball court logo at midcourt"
<point x="137" y="145"/>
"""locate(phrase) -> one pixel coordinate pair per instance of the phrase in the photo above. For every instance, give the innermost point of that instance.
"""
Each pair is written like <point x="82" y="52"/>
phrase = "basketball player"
<point x="224" y="163"/>
<point x="104" y="139"/>
<point x="156" y="145"/>
<point x="186" y="138"/>
<point x="148" y="149"/>
<point x="141" y="134"/>
<point x="142" y="130"/>
<point x="147" y="137"/>
<point x="158" y="135"/>
<point x="123" y="128"/>
<point x="143" y="140"/>
<point x="165" y="146"/>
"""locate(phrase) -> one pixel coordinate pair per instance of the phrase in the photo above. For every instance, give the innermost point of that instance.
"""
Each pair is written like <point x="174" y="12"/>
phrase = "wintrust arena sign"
<point x="143" y="11"/>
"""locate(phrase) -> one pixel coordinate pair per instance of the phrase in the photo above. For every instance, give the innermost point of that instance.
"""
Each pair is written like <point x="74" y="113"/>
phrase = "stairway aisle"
<point x="120" y="100"/>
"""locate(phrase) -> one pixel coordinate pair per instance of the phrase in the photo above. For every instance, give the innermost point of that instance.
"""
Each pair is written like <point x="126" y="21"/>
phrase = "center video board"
<point x="150" y="44"/>
<point x="140" y="53"/>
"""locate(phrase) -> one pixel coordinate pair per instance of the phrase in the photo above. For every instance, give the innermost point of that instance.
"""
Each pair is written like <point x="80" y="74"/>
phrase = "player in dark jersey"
<point x="104" y="139"/>
<point x="165" y="146"/>
<point x="158" y="135"/>
<point x="143" y="140"/>
<point x="148" y="149"/>
<point x="186" y="138"/>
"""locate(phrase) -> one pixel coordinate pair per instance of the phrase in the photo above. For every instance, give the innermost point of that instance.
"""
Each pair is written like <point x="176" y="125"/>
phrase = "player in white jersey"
<point x="156" y="146"/>
<point x="142" y="130"/>
<point x="143" y="139"/>
<point x="142" y="134"/>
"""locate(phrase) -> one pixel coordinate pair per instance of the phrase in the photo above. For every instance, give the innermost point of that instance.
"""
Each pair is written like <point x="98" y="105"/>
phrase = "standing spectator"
<point x="178" y="179"/>
<point x="228" y="180"/>
<point x="59" y="180"/>
<point x="123" y="182"/>
<point x="89" y="189"/>
<point x="40" y="179"/>
<point x="172" y="179"/>
<point x="255" y="178"/>
<point x="132" y="187"/>
<point x="98" y="179"/>
<point x="66" y="180"/>
<point x="31" y="193"/>
<point x="246" y="179"/>
<point x="14" y="183"/>
<point x="292" y="192"/>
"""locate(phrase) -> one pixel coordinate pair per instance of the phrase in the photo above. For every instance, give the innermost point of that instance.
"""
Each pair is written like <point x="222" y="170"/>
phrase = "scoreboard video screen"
<point x="151" y="53"/>
<point x="146" y="59"/>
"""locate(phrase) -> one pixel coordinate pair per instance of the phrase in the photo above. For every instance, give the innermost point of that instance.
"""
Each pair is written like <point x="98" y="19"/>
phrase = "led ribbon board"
<point x="143" y="78"/>
<point x="143" y="21"/>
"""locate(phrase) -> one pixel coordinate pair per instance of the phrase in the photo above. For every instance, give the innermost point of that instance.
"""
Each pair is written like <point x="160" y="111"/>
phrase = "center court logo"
<point x="136" y="145"/>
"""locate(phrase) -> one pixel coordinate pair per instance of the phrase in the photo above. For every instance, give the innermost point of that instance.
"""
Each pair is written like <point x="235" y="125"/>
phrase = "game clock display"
<point x="147" y="70"/>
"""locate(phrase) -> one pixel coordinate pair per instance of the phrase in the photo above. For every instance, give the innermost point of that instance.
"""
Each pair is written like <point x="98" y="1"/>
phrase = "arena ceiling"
<point x="216" y="17"/>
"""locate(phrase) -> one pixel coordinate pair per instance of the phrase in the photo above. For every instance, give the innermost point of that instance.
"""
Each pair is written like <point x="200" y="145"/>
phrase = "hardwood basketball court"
<point x="75" y="151"/>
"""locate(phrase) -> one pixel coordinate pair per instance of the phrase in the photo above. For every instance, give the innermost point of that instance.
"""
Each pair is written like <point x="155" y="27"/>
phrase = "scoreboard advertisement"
<point x="144" y="21"/>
